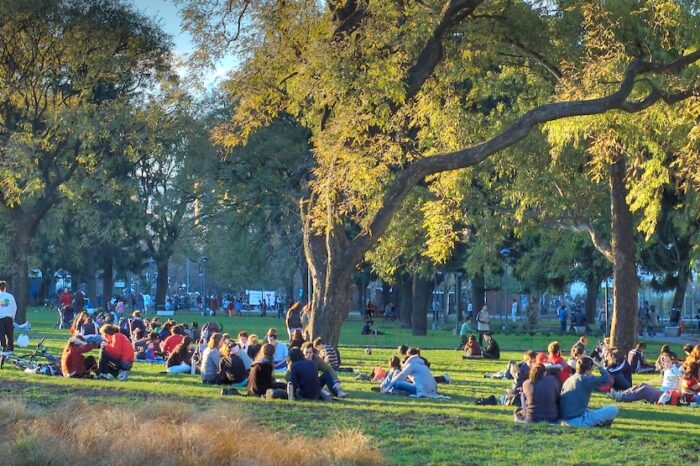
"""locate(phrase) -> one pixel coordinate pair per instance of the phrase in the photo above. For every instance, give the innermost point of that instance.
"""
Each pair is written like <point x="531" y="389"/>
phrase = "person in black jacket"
<point x="231" y="367"/>
<point x="303" y="376"/>
<point x="492" y="351"/>
<point x="260" y="379"/>
<point x="620" y="370"/>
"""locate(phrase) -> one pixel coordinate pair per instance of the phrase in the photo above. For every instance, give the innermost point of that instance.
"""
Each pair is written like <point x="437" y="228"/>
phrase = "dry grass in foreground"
<point x="81" y="434"/>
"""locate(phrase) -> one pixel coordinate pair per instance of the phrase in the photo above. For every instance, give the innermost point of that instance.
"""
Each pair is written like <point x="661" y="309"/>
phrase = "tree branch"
<point x="399" y="189"/>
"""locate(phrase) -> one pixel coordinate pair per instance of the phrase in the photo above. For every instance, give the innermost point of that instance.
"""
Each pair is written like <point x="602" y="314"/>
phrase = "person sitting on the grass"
<point x="180" y="358"/>
<point x="137" y="322"/>
<point x="492" y="351"/>
<point x="165" y="330"/>
<point x="671" y="380"/>
<point x="472" y="349"/>
<point x="242" y="340"/>
<point x="582" y="343"/>
<point x="177" y="336"/>
<point x="77" y="323"/>
<point x="303" y="375"/>
<point x="540" y="396"/>
<point x="576" y="395"/>
<point x="619" y="369"/>
<point x="423" y="385"/>
<point x="328" y="353"/>
<point x="328" y="376"/>
<point x="404" y="354"/>
<point x="637" y="361"/>
<point x="210" y="360"/>
<point x="464" y="332"/>
<point x="394" y="370"/>
<point x="254" y="346"/>
<point x="577" y="352"/>
<point x="281" y="351"/>
<point x="690" y="384"/>
<point x="260" y="379"/>
<point x="556" y="365"/>
<point x="232" y="370"/>
<point x="368" y="330"/>
<point x="663" y="353"/>
<point x="297" y="339"/>
<point x="74" y="363"/>
<point x="89" y="329"/>
<point x="117" y="354"/>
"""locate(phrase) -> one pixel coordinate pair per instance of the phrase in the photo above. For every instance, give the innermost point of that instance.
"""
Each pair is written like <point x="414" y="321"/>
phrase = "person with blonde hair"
<point x="210" y="360"/>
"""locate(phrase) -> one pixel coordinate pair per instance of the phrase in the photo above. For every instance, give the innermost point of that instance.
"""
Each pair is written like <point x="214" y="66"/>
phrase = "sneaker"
<point x="341" y="393"/>
<point x="448" y="379"/>
<point x="123" y="375"/>
<point x="326" y="395"/>
<point x="107" y="376"/>
<point x="615" y="395"/>
<point x="229" y="391"/>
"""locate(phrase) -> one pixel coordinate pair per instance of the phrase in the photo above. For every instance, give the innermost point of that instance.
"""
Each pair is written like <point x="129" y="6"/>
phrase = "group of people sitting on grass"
<point x="408" y="374"/>
<point x="547" y="388"/>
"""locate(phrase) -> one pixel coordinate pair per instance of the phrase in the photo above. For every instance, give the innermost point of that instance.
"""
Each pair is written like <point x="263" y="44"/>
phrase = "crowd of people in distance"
<point x="545" y="387"/>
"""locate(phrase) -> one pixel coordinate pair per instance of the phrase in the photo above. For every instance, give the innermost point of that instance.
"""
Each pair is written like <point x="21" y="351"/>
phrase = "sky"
<point x="168" y="17"/>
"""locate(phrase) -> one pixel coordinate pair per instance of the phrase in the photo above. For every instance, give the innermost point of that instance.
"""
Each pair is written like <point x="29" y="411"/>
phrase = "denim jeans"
<point x="595" y="417"/>
<point x="405" y="386"/>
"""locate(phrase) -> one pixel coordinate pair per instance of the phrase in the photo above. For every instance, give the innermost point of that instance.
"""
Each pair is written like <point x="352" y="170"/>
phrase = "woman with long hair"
<point x="260" y="379"/>
<point x="180" y="359"/>
<point x="540" y="396"/>
<point x="210" y="360"/>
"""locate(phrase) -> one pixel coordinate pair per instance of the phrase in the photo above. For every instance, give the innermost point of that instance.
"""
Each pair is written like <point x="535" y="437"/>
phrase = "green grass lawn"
<point x="408" y="431"/>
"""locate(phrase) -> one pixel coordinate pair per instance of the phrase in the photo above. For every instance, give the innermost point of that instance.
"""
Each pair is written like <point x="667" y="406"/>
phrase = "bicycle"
<point x="29" y="362"/>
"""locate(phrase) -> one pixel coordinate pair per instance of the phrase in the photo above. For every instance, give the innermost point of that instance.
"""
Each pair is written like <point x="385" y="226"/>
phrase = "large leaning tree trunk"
<point x="624" y="321"/>
<point x="333" y="256"/>
<point x="592" y="291"/>
<point x="681" y="288"/>
<point x="422" y="292"/>
<point x="478" y="290"/>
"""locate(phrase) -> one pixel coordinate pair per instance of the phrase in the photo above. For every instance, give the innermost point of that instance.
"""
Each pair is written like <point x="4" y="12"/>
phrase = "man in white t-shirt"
<point x="8" y="310"/>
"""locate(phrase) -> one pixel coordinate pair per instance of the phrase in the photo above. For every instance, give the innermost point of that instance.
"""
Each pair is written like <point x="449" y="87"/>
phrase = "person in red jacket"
<point x="73" y="361"/>
<point x="169" y="344"/>
<point x="117" y="355"/>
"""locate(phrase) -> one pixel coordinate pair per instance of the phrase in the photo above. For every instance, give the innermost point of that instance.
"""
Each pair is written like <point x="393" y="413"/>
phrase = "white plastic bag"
<point x="23" y="341"/>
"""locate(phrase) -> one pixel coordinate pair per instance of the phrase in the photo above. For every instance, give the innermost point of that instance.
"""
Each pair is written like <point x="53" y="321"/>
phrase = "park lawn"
<point x="408" y="431"/>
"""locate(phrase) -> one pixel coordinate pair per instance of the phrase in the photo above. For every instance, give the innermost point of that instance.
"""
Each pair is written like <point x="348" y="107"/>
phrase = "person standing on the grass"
<point x="513" y="310"/>
<point x="576" y="394"/>
<point x="8" y="310"/>
<point x="563" y="314"/>
<point x="293" y="320"/>
<point x="483" y="323"/>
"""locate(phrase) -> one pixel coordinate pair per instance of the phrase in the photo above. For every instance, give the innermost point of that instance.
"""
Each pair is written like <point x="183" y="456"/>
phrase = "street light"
<point x="505" y="252"/>
<point x="203" y="273"/>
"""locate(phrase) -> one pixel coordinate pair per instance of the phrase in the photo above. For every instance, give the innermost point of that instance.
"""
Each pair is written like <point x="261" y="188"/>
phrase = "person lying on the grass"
<point x="210" y="360"/>
<point x="472" y="349"/>
<point x="180" y="359"/>
<point x="540" y="396"/>
<point x="576" y="395"/>
<point x="73" y="362"/>
<point x="671" y="377"/>
<point x="492" y="351"/>
<point x="637" y="360"/>
<point x="303" y="375"/>
<point x="423" y="383"/>
<point x="260" y="379"/>
<point x="281" y="351"/>
<point x="117" y="354"/>
<point x="232" y="371"/>
<point x="619" y="369"/>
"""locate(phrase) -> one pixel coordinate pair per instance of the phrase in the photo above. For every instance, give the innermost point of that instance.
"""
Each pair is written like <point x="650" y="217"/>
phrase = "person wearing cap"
<point x="492" y="351"/>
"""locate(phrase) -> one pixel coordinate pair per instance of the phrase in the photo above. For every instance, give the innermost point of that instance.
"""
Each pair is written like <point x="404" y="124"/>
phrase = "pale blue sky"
<point x="169" y="19"/>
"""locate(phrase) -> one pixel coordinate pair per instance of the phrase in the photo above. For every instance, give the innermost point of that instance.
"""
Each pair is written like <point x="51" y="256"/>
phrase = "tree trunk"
<point x="162" y="282"/>
<point x="19" y="268"/>
<point x="422" y="291"/>
<point x="532" y="311"/>
<point x="91" y="278"/>
<point x="47" y="281"/>
<point x="478" y="291"/>
<point x="306" y="297"/>
<point x="107" y="282"/>
<point x="405" y="300"/>
<point x="679" y="294"/>
<point x="458" y="301"/>
<point x="624" y="321"/>
<point x="592" y="292"/>
<point x="331" y="279"/>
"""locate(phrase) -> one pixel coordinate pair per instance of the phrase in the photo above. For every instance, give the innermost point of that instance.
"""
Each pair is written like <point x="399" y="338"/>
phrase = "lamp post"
<point x="203" y="273"/>
<point x="505" y="252"/>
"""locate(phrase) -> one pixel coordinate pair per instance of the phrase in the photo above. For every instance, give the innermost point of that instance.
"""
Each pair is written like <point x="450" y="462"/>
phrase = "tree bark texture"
<point x="405" y="300"/>
<point x="20" y="247"/>
<point x="624" y="321"/>
<point x="107" y="282"/>
<point x="679" y="293"/>
<point x="422" y="291"/>
<point x="162" y="282"/>
<point x="478" y="291"/>
<point x="592" y="291"/>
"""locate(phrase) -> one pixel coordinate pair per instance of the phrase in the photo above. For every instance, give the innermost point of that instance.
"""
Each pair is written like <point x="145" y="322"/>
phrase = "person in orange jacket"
<point x="73" y="361"/>
<point x="117" y="355"/>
